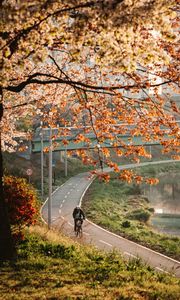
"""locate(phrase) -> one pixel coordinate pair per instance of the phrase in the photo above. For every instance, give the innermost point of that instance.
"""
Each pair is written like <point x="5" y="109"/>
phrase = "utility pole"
<point x="65" y="159"/>
<point x="65" y="162"/>
<point x="150" y="150"/>
<point x="50" y="179"/>
<point x="42" y="163"/>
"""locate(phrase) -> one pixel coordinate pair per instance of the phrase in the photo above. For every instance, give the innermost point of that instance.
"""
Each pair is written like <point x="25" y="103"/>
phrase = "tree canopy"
<point x="97" y="64"/>
<point x="82" y="55"/>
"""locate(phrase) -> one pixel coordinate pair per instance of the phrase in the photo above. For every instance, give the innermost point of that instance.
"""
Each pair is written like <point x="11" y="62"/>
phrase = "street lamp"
<point x="42" y="162"/>
<point x="101" y="158"/>
<point x="50" y="178"/>
<point x="65" y="159"/>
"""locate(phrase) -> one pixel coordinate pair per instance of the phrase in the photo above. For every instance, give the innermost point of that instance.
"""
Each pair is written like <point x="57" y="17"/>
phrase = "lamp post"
<point x="101" y="158"/>
<point x="50" y="179"/>
<point x="150" y="150"/>
<point x="65" y="161"/>
<point x="42" y="163"/>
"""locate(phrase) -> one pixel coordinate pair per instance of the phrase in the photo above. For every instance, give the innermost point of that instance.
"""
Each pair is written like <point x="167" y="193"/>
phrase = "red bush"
<point x="22" y="203"/>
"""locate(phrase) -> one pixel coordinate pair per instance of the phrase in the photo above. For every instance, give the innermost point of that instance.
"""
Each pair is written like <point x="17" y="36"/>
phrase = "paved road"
<point x="69" y="195"/>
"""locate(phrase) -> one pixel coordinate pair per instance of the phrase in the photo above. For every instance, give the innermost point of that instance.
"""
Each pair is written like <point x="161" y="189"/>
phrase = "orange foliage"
<point x="21" y="202"/>
<point x="54" y="70"/>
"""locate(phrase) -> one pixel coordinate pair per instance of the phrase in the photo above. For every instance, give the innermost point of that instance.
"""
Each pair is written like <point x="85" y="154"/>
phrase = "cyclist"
<point x="78" y="214"/>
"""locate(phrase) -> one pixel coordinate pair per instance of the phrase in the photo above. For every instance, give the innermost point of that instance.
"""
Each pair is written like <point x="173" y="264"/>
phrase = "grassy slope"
<point x="53" y="267"/>
<point x="110" y="205"/>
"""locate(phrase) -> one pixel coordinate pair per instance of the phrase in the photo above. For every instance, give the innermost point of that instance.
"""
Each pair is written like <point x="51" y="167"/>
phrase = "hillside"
<point x="51" y="266"/>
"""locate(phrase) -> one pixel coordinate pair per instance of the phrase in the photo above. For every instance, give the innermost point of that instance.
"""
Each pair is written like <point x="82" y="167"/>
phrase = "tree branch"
<point x="33" y="79"/>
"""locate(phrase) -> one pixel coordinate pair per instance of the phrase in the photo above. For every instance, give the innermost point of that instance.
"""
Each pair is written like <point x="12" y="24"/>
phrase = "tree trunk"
<point x="7" y="249"/>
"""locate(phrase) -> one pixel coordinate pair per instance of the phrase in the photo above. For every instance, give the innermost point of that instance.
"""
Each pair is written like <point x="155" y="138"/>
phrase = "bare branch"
<point x="33" y="79"/>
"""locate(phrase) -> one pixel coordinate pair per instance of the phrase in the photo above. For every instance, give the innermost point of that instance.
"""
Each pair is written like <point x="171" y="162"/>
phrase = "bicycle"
<point x="78" y="231"/>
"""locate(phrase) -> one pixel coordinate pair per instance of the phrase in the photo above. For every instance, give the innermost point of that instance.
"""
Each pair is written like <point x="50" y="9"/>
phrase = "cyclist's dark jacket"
<point x="78" y="214"/>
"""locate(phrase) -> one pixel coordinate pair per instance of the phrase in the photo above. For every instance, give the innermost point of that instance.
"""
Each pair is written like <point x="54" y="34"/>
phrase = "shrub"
<point x="22" y="204"/>
<point x="57" y="250"/>
<point x="151" y="210"/>
<point x="140" y="215"/>
<point x="126" y="224"/>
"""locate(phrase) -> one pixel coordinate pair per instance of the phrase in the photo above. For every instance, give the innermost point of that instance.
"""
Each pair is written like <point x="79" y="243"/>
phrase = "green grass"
<point x="119" y="207"/>
<point x="158" y="169"/>
<point x="51" y="266"/>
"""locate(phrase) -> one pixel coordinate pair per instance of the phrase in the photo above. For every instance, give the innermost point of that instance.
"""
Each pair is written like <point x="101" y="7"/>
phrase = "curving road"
<point x="69" y="195"/>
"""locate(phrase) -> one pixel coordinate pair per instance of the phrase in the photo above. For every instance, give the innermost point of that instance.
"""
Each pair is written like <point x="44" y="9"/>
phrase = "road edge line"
<point x="143" y="247"/>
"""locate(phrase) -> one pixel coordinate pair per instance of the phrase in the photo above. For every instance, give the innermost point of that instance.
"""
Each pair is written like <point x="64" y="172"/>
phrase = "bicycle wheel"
<point x="78" y="229"/>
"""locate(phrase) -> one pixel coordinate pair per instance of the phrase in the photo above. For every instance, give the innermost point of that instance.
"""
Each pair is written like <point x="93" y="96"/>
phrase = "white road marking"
<point x="68" y="193"/>
<point x="61" y="205"/>
<point x="62" y="217"/>
<point x="105" y="243"/>
<point x="70" y="224"/>
<point x="63" y="200"/>
<point x="55" y="190"/>
<point x="60" y="211"/>
<point x="161" y="270"/>
<point x="127" y="253"/>
<point x="65" y="196"/>
<point x="133" y="243"/>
